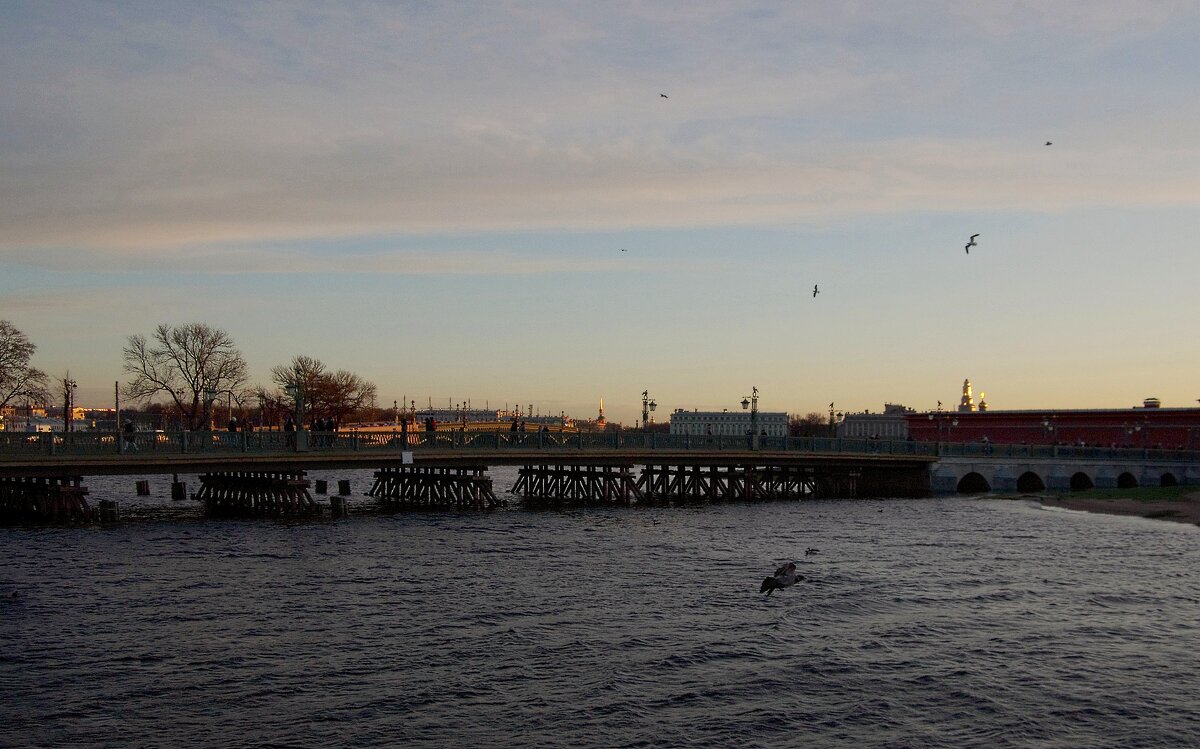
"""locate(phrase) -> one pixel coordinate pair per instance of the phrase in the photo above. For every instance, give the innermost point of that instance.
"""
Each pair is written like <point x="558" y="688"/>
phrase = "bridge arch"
<point x="1127" y="481"/>
<point x="973" y="483"/>
<point x="1080" y="481"/>
<point x="1168" y="479"/>
<point x="1030" y="482"/>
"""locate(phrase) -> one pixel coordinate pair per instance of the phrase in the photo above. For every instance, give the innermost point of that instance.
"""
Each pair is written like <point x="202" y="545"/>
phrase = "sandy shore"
<point x="1186" y="509"/>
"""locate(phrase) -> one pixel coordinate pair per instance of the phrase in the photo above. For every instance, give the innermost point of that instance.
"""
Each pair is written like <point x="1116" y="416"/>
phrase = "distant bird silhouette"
<point x="622" y="249"/>
<point x="784" y="577"/>
<point x="810" y="551"/>
<point x="972" y="243"/>
<point x="664" y="96"/>
<point x="815" y="291"/>
<point x="1049" y="143"/>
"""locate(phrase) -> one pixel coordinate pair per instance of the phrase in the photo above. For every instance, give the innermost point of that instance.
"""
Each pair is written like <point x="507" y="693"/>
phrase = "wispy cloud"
<point x="143" y="128"/>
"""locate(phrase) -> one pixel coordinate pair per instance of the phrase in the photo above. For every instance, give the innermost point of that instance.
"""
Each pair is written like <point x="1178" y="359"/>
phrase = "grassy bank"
<point x="1141" y="493"/>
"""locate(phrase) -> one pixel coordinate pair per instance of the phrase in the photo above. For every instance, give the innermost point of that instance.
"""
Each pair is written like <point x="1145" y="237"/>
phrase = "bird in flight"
<point x="815" y="291"/>
<point x="1049" y="143"/>
<point x="784" y="577"/>
<point x="972" y="243"/>
<point x="622" y="249"/>
<point x="664" y="96"/>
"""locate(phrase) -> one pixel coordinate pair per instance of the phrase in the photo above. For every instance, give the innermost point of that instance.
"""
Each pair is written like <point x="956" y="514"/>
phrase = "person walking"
<point x="130" y="435"/>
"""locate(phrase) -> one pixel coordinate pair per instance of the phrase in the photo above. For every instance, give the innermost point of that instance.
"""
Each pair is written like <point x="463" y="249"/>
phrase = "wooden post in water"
<point x="178" y="488"/>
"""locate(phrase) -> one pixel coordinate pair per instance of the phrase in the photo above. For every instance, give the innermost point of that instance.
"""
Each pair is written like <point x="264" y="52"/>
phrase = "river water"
<point x="924" y="623"/>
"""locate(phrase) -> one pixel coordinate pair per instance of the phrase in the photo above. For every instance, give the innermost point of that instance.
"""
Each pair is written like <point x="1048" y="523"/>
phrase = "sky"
<point x="492" y="200"/>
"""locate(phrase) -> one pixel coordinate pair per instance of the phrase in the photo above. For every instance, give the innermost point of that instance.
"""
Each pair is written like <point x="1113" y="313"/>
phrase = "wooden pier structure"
<point x="543" y="485"/>
<point x="420" y="488"/>
<point x="37" y="499"/>
<point x="256" y="493"/>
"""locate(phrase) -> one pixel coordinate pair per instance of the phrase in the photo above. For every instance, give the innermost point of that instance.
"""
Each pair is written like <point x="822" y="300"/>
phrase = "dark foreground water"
<point x="926" y="623"/>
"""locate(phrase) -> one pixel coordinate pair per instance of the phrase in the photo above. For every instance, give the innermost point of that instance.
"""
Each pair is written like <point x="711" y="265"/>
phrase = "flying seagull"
<point x="784" y="577"/>
<point x="1049" y="143"/>
<point x="972" y="243"/>
<point x="815" y="291"/>
<point x="664" y="96"/>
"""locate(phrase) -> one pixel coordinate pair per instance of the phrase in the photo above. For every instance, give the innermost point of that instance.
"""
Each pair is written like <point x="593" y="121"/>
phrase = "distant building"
<point x="966" y="404"/>
<point x="892" y="424"/>
<point x="727" y="423"/>
<point x="1146" y="426"/>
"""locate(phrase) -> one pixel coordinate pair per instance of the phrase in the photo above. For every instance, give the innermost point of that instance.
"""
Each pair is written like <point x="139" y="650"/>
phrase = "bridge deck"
<point x="155" y="463"/>
<point x="99" y="453"/>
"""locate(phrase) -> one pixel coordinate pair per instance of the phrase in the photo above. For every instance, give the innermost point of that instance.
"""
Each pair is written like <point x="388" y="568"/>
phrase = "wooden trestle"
<point x="727" y="483"/>
<point x="43" y="499"/>
<point x="256" y="493"/>
<point x="577" y="485"/>
<point x="418" y="487"/>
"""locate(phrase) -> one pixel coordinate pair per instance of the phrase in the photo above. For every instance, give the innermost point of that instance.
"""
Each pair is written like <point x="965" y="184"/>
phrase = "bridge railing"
<point x="16" y="444"/>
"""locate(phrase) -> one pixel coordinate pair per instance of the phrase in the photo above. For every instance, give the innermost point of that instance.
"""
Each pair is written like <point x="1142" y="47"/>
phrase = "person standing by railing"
<point x="130" y="436"/>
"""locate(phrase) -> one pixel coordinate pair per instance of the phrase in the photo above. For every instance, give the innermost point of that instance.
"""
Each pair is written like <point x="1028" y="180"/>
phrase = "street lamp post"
<point x="949" y="422"/>
<point x="1049" y="427"/>
<point x="210" y="395"/>
<point x="648" y="405"/>
<point x="751" y="402"/>
<point x="68" y="404"/>
<point x="295" y="391"/>
<point x="69" y="388"/>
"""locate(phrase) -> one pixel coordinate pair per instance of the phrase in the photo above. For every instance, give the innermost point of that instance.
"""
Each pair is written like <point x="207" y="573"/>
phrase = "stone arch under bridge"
<point x="975" y="475"/>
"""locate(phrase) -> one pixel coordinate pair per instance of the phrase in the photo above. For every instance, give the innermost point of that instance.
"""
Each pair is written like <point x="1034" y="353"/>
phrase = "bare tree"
<point x="812" y="424"/>
<point x="336" y="395"/>
<point x="17" y="378"/>
<point x="345" y="393"/>
<point x="189" y="364"/>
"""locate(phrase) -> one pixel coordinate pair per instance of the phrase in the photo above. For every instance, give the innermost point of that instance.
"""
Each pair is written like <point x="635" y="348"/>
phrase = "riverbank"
<point x="1180" y="504"/>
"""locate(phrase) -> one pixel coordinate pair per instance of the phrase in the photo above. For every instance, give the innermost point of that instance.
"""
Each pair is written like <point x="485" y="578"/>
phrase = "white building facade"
<point x="728" y="423"/>
<point x="892" y="424"/>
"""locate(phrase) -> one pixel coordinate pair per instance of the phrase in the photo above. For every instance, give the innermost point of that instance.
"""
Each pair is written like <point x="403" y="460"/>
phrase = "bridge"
<point x="263" y="472"/>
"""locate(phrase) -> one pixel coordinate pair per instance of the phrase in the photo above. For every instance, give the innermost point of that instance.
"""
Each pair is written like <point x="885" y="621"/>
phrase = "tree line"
<point x="187" y="369"/>
<point x="193" y="365"/>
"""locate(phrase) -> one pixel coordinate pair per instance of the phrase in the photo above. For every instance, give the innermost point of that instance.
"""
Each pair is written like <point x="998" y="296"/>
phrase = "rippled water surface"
<point x="925" y="623"/>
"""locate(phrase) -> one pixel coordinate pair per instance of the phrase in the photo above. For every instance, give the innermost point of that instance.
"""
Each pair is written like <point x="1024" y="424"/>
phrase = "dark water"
<point x="926" y="623"/>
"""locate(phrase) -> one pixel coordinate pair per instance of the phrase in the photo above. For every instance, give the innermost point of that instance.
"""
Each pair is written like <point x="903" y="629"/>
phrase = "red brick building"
<point x="1148" y="426"/>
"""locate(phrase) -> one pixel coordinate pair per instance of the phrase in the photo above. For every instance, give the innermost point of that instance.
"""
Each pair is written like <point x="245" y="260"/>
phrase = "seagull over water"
<point x="971" y="243"/>
<point x="815" y="291"/>
<point x="784" y="577"/>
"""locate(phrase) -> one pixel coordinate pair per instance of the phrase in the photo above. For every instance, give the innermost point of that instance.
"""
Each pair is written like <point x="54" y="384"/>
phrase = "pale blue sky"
<point x="435" y="196"/>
